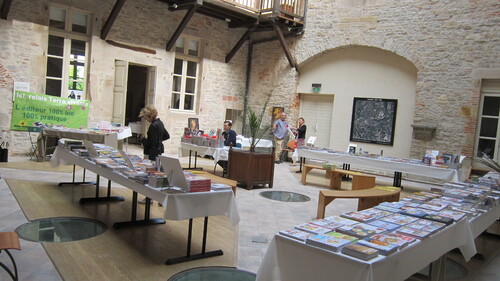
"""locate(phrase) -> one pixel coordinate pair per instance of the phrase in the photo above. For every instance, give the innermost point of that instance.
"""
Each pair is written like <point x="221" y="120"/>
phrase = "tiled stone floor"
<point x="260" y="219"/>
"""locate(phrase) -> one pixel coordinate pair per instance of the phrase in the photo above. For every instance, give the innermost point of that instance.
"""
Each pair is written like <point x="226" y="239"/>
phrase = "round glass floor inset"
<point x="60" y="229"/>
<point x="284" y="196"/>
<point x="213" y="273"/>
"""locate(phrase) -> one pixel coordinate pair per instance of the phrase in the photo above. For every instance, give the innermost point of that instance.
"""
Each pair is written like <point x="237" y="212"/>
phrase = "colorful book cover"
<point x="342" y="221"/>
<point x="384" y="239"/>
<point x="399" y="219"/>
<point x="401" y="238"/>
<point x="456" y="215"/>
<point x="312" y="228"/>
<point x="361" y="230"/>
<point x="433" y="206"/>
<point x="357" y="216"/>
<point x="439" y="218"/>
<point x="388" y="209"/>
<point x="414" y="212"/>
<point x="359" y="251"/>
<point x="296" y="234"/>
<point x="328" y="242"/>
<point x="383" y="224"/>
<point x="426" y="225"/>
<point x="384" y="248"/>
<point x="420" y="234"/>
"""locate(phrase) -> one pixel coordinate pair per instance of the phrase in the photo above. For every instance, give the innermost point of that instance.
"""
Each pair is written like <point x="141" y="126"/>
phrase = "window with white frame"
<point x="67" y="52"/>
<point x="186" y="74"/>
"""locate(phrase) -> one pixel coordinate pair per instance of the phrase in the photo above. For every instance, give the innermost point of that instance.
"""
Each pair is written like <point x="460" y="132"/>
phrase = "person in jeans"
<point x="280" y="130"/>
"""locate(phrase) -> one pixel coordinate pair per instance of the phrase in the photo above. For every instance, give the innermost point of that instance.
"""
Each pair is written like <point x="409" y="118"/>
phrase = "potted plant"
<point x="251" y="167"/>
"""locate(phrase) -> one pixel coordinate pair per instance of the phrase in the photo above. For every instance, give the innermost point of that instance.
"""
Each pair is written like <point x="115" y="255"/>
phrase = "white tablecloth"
<point x="289" y="260"/>
<point x="178" y="206"/>
<point x="220" y="153"/>
<point x="380" y="164"/>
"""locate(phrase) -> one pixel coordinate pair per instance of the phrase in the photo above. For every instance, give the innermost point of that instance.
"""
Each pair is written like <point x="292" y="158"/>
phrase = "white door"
<point x="317" y="112"/>
<point x="488" y="127"/>
<point x="120" y="92"/>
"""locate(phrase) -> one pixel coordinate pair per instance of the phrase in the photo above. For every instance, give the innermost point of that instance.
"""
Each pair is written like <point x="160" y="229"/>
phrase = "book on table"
<point x="384" y="248"/>
<point x="417" y="233"/>
<point x="312" y="228"/>
<point x="360" y="230"/>
<point x="438" y="218"/>
<point x="331" y="241"/>
<point x="359" y="251"/>
<point x="296" y="234"/>
<point x="399" y="219"/>
<point x="385" y="225"/>
<point x="342" y="221"/>
<point x="414" y="212"/>
<point x="426" y="225"/>
<point x="358" y="216"/>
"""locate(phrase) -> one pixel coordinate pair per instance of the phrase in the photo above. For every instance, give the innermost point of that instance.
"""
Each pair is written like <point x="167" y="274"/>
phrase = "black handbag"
<point x="4" y="152"/>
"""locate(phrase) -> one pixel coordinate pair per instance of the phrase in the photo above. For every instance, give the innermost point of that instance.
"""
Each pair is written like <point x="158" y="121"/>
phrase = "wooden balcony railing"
<point x="293" y="9"/>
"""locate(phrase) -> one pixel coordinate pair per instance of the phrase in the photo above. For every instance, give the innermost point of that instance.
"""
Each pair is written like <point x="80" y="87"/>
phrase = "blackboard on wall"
<point x="373" y="120"/>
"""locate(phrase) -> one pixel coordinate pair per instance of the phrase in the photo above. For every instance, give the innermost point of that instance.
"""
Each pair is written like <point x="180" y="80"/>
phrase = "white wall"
<point x="357" y="71"/>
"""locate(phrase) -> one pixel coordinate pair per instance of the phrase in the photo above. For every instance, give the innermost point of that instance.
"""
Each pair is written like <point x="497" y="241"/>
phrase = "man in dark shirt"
<point x="229" y="134"/>
<point x="229" y="140"/>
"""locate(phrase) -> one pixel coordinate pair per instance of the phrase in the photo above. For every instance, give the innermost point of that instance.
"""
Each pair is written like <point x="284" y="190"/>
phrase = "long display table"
<point x="178" y="206"/>
<point x="290" y="260"/>
<point x="444" y="174"/>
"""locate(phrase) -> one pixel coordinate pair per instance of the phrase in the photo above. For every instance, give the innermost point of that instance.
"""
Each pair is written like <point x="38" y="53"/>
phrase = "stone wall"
<point x="141" y="23"/>
<point x="445" y="40"/>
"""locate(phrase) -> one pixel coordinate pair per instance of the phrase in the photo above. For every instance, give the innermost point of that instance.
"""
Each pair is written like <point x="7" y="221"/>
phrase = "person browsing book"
<point x="280" y="130"/>
<point x="153" y="144"/>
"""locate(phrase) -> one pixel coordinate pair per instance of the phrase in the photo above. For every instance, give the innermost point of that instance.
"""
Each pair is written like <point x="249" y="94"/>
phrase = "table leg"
<point x="323" y="201"/>
<point x="98" y="199"/>
<point x="195" y="159"/>
<point x="203" y="253"/>
<point x="397" y="179"/>
<point x="301" y="161"/>
<point x="133" y="221"/>
<point x="73" y="179"/>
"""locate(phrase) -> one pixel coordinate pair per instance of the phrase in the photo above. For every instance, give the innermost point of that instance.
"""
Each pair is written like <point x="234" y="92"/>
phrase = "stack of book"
<point x="296" y="234"/>
<point x="198" y="183"/>
<point x="360" y="230"/>
<point x="220" y="186"/>
<point x="360" y="252"/>
<point x="331" y="241"/>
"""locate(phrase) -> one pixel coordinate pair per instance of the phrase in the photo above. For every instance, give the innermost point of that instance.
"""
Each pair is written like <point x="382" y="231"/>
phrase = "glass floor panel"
<point x="215" y="273"/>
<point x="284" y="196"/>
<point x="60" y="229"/>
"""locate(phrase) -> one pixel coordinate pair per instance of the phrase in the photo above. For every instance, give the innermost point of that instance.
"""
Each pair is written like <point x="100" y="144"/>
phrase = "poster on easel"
<point x="30" y="109"/>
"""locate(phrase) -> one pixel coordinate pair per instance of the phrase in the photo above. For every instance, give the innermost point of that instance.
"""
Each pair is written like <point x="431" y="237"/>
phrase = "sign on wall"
<point x="30" y="108"/>
<point x="373" y="120"/>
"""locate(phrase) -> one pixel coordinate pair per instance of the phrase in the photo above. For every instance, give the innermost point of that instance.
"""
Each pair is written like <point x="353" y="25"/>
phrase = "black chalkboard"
<point x="373" y="120"/>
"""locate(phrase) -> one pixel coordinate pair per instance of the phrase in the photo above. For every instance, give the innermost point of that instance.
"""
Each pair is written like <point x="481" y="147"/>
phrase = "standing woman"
<point x="153" y="144"/>
<point x="301" y="132"/>
<point x="300" y="138"/>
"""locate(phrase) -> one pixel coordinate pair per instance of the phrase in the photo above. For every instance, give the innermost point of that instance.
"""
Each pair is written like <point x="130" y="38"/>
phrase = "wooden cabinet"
<point x="250" y="168"/>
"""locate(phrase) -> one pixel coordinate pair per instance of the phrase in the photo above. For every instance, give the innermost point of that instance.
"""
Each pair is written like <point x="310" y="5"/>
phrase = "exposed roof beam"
<point x="5" y="9"/>
<point x="183" y="25"/>
<point x="238" y="45"/>
<point x="111" y="18"/>
<point x="281" y="38"/>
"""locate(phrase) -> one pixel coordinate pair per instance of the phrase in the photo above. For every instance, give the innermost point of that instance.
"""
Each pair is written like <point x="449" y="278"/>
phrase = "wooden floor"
<point x="137" y="253"/>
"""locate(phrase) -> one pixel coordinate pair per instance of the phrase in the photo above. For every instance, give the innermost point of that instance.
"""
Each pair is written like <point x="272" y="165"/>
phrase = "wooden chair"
<point x="290" y="147"/>
<point x="8" y="241"/>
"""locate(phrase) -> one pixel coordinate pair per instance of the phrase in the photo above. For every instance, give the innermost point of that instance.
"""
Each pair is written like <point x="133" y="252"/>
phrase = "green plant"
<point x="252" y="122"/>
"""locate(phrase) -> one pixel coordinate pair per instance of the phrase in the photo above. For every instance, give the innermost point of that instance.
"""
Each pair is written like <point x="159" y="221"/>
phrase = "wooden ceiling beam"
<point x="4" y="13"/>
<point x="111" y="18"/>
<point x="281" y="38"/>
<point x="183" y="25"/>
<point x="238" y="45"/>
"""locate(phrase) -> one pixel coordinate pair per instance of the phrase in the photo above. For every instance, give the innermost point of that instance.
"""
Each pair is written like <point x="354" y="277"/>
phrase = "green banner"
<point x="30" y="108"/>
